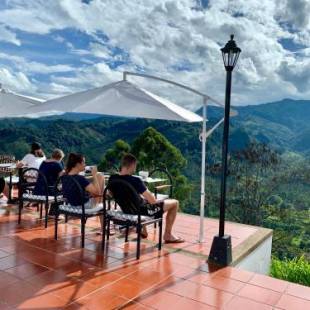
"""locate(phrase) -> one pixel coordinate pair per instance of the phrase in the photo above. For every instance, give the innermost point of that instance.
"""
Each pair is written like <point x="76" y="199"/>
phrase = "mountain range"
<point x="284" y="125"/>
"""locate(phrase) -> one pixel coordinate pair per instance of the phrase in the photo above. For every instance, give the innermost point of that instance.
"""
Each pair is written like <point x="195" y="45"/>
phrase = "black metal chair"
<point x="133" y="212"/>
<point x="162" y="173"/>
<point x="8" y="172"/>
<point x="63" y="185"/>
<point x="27" y="182"/>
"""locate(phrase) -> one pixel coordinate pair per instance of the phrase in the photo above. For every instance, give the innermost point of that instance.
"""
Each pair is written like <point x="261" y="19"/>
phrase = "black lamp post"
<point x="220" y="252"/>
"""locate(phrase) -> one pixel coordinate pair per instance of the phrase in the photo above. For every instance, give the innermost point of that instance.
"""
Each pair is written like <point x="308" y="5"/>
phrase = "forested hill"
<point x="284" y="125"/>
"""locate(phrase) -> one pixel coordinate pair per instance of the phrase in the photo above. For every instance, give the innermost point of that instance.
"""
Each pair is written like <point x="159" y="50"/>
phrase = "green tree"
<point x="153" y="150"/>
<point x="112" y="157"/>
<point x="254" y="177"/>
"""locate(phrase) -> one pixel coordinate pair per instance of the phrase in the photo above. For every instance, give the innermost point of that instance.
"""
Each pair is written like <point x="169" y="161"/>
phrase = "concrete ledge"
<point x="250" y="244"/>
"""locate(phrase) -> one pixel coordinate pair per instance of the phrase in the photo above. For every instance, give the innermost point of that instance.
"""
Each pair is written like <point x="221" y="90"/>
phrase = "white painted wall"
<point x="259" y="260"/>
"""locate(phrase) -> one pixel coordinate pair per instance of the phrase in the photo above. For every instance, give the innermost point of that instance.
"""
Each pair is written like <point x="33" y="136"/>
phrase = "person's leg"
<point x="171" y="206"/>
<point x="93" y="204"/>
<point x="4" y="188"/>
<point x="6" y="191"/>
<point x="100" y="179"/>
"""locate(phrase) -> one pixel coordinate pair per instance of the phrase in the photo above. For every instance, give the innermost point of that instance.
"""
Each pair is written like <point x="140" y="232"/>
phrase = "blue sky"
<point x="54" y="47"/>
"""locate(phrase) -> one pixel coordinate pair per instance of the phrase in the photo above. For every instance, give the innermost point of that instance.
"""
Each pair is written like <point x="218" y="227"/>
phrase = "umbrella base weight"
<point x="220" y="252"/>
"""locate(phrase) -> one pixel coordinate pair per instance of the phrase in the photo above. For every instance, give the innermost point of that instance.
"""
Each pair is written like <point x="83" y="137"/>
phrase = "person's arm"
<point x="94" y="188"/>
<point x="150" y="198"/>
<point x="60" y="170"/>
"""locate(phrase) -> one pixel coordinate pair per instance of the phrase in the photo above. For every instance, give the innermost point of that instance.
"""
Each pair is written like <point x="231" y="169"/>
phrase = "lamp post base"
<point x="220" y="252"/>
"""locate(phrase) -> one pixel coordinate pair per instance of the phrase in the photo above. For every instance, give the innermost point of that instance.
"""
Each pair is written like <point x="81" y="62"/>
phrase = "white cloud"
<point x="99" y="50"/>
<point x="89" y="77"/>
<point x="296" y="12"/>
<point x="160" y="35"/>
<point x="8" y="36"/>
<point x="16" y="81"/>
<point x="35" y="67"/>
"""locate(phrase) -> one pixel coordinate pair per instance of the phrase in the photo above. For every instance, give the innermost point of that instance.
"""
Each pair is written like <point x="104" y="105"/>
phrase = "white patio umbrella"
<point x="116" y="99"/>
<point x="13" y="105"/>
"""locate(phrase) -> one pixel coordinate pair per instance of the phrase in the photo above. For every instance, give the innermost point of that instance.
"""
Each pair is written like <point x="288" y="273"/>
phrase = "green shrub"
<point x="296" y="270"/>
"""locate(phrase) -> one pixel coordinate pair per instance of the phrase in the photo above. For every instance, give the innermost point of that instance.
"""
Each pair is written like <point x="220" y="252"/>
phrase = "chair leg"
<point x="160" y="235"/>
<point x="56" y="226"/>
<point x="46" y="214"/>
<point x="127" y="233"/>
<point x="108" y="229"/>
<point x="155" y="225"/>
<point x="40" y="206"/>
<point x="66" y="218"/>
<point x="104" y="224"/>
<point x="83" y="232"/>
<point x="10" y="189"/>
<point x="138" y="240"/>
<point x="20" y="207"/>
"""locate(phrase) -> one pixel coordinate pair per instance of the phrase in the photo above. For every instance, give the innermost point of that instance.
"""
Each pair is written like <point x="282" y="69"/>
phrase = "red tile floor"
<point x="37" y="272"/>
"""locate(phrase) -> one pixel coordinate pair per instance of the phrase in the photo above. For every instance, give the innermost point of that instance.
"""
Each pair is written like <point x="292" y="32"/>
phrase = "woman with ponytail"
<point x="93" y="190"/>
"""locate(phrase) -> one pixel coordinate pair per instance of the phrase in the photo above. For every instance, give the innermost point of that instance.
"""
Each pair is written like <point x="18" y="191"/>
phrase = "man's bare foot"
<point x="144" y="232"/>
<point x="173" y="239"/>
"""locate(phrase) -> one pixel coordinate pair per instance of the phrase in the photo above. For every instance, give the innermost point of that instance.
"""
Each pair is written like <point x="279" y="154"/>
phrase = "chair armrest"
<point x="160" y="187"/>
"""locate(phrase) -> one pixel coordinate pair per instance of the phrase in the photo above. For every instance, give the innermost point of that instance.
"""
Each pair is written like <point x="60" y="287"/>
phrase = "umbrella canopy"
<point x="14" y="105"/>
<point x="117" y="99"/>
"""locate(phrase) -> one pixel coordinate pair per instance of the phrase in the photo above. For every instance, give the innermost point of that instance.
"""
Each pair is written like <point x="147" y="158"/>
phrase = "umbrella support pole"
<point x="203" y="170"/>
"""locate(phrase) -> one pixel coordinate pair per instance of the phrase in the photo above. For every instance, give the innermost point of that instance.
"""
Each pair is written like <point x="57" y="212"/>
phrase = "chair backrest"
<point x="124" y="194"/>
<point x="67" y="186"/>
<point x="28" y="179"/>
<point x="162" y="172"/>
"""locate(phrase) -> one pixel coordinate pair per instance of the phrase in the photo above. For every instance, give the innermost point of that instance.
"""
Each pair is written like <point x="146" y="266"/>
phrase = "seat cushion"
<point x="121" y="216"/>
<point x="32" y="197"/>
<point x="78" y="209"/>
<point x="15" y="179"/>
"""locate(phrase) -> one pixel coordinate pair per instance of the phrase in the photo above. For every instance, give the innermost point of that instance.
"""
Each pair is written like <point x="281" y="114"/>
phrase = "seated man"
<point x="34" y="158"/>
<point x="171" y="206"/>
<point x="4" y="189"/>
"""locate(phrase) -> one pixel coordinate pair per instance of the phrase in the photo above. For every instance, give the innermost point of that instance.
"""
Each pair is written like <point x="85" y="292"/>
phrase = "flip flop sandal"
<point x="178" y="240"/>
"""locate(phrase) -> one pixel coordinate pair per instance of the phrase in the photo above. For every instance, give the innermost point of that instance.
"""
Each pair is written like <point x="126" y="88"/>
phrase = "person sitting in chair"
<point x="51" y="168"/>
<point x="35" y="158"/>
<point x="171" y="206"/>
<point x="92" y="189"/>
<point x="4" y="189"/>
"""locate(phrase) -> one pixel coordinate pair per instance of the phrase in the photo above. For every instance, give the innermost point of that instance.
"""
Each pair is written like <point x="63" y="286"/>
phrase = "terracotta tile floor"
<point x="37" y="272"/>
